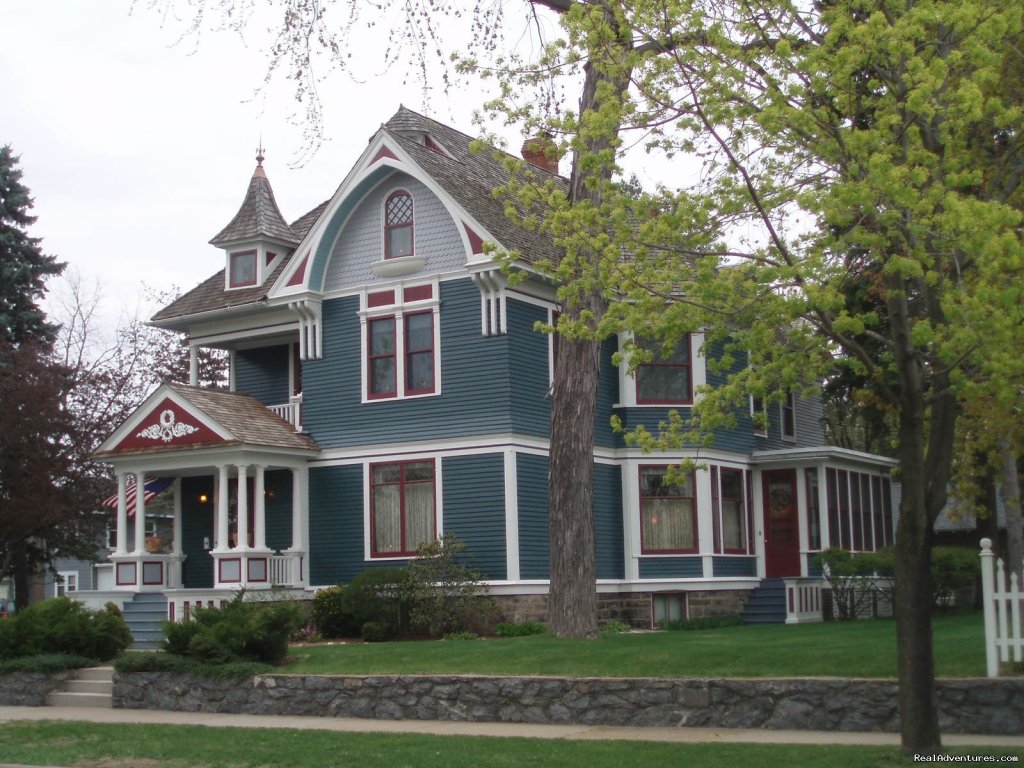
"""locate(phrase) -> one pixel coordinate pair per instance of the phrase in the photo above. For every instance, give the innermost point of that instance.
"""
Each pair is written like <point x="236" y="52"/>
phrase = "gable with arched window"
<point x="398" y="225"/>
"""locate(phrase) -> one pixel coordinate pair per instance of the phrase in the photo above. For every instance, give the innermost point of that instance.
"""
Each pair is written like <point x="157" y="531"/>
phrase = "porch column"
<point x="176" y="548"/>
<point x="122" y="514"/>
<point x="299" y="479"/>
<point x="261" y="509"/>
<point x="222" y="508"/>
<point x="243" y="506"/>
<point x="140" y="513"/>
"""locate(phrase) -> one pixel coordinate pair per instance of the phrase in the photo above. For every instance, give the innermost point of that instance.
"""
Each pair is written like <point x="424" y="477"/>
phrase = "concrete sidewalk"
<point x="519" y="730"/>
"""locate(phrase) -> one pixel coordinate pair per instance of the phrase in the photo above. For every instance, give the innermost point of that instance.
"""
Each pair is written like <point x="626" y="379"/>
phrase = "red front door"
<point x="781" y="524"/>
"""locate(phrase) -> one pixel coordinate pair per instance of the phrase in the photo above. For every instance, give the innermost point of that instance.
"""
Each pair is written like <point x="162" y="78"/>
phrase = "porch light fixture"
<point x="203" y="498"/>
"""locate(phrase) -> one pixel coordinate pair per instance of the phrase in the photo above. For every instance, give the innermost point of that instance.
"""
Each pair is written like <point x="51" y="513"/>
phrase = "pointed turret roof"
<point x="258" y="216"/>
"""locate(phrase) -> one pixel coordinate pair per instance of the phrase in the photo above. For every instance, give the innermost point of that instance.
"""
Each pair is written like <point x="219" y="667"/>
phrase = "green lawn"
<point x="169" y="746"/>
<point x="834" y="649"/>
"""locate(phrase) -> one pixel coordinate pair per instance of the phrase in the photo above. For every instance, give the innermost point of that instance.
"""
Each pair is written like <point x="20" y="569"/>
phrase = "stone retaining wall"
<point x="29" y="689"/>
<point x="966" y="705"/>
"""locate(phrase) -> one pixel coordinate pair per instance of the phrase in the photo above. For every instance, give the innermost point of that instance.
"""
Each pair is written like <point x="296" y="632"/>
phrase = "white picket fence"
<point x="1002" y="599"/>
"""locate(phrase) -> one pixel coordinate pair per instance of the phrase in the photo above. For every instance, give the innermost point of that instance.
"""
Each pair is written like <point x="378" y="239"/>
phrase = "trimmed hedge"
<point x="63" y="626"/>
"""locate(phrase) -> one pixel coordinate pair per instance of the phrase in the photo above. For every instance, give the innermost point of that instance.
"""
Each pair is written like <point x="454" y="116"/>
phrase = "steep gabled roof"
<point x="468" y="177"/>
<point x="258" y="217"/>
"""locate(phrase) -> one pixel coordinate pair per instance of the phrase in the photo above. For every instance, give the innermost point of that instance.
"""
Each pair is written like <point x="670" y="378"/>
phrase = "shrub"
<point x="165" y="662"/>
<point x="380" y="596"/>
<point x="376" y="632"/>
<point x="952" y="568"/>
<point x="444" y="593"/>
<point x="45" y="664"/>
<point x="856" y="579"/>
<point x="240" y="631"/>
<point x="613" y="627"/>
<point x="63" y="626"/>
<point x="700" y="622"/>
<point x="330" y="617"/>
<point x="462" y="636"/>
<point x="522" y="629"/>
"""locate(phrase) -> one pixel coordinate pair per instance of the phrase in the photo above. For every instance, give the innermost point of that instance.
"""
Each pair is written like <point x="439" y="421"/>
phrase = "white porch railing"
<point x="290" y="411"/>
<point x="1002" y="599"/>
<point x="803" y="600"/>
<point x="284" y="570"/>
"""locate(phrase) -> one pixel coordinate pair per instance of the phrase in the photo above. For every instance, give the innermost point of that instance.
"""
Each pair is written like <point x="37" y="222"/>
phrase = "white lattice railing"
<point x="290" y="411"/>
<point x="1002" y="600"/>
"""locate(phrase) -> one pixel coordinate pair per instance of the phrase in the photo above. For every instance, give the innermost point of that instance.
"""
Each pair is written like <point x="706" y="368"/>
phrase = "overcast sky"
<point x="137" y="151"/>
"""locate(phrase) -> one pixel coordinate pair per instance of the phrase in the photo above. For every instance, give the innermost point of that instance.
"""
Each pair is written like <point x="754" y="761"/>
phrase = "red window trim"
<point x="408" y="353"/>
<point x="410" y="224"/>
<point x="232" y="283"/>
<point x="696" y="541"/>
<point x="658" y="363"/>
<point x="743" y="509"/>
<point x="370" y="357"/>
<point x="405" y="552"/>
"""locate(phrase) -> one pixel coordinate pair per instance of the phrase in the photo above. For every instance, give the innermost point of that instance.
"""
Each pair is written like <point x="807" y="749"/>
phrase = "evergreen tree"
<point x="24" y="267"/>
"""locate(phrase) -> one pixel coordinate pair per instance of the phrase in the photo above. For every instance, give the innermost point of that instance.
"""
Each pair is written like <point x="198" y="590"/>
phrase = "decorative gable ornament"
<point x="167" y="429"/>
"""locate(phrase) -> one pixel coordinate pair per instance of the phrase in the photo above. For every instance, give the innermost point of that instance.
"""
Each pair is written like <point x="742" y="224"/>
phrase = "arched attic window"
<point x="398" y="225"/>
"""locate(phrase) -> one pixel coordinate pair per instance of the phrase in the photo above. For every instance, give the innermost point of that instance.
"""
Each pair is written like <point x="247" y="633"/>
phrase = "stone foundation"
<point x="632" y="608"/>
<point x="965" y="705"/>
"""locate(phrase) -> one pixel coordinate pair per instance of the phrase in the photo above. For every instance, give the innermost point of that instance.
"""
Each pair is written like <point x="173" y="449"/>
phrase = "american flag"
<point x="153" y="486"/>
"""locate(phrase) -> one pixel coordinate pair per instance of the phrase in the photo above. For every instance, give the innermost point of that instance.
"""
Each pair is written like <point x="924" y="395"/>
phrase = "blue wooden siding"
<point x="608" y="521"/>
<point x="607" y="396"/>
<point x="671" y="567"/>
<point x="734" y="566"/>
<point x="528" y="369"/>
<point x="532" y="473"/>
<point x="278" y="505"/>
<point x="263" y="373"/>
<point x="475" y="381"/>
<point x="474" y="509"/>
<point x="336" y="525"/>
<point x="196" y="524"/>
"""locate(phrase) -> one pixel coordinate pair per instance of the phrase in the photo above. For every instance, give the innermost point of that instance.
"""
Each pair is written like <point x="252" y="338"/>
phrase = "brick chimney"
<point x="536" y="152"/>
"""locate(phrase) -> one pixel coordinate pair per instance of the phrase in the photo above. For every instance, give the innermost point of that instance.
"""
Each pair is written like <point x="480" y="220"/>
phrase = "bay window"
<point x="668" y="512"/>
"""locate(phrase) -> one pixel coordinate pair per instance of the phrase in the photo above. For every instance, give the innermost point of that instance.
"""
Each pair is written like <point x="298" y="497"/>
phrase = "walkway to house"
<point x="523" y="730"/>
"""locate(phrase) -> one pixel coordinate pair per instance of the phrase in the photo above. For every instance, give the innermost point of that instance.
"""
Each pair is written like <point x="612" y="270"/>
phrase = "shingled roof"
<point x="469" y="177"/>
<point x="258" y="216"/>
<point x="245" y="418"/>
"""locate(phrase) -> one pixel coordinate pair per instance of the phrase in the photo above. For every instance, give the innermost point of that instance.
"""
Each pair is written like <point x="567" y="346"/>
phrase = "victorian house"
<point x="387" y="385"/>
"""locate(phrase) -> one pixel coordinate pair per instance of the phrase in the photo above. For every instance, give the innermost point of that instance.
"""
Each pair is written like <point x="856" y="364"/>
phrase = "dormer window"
<point x="398" y="225"/>
<point x="242" y="269"/>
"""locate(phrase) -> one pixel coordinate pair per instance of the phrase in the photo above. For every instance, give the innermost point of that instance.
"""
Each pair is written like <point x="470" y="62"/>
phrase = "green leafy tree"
<point x="24" y="267"/>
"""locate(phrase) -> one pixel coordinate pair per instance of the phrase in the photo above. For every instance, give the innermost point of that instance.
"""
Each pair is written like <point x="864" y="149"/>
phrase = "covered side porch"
<point x="238" y="496"/>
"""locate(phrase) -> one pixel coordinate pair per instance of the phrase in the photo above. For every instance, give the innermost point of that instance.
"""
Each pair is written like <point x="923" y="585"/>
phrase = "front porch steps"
<point x="144" y="616"/>
<point x="92" y="687"/>
<point x="767" y="603"/>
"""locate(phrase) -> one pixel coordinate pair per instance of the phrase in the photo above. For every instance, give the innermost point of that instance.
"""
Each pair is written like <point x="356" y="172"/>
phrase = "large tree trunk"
<point x="573" y="591"/>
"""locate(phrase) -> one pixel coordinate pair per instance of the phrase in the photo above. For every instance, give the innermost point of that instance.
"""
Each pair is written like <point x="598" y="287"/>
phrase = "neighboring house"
<point x="388" y="385"/>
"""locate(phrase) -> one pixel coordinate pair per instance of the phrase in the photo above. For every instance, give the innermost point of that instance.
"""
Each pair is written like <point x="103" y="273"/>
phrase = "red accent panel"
<point x="418" y="293"/>
<point x="300" y="273"/>
<point x="380" y="299"/>
<point x="791" y="600"/>
<point x="168" y="426"/>
<point x="126" y="574"/>
<point x="270" y="257"/>
<point x="170" y="611"/>
<point x="475" y="241"/>
<point x="152" y="573"/>
<point x="384" y="152"/>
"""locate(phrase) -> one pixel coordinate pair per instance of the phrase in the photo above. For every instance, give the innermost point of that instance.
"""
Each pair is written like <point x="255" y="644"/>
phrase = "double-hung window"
<point x="401" y="343"/>
<point x="730" y="508"/>
<point x="668" y="512"/>
<point x="402" y="507"/>
<point x="788" y="416"/>
<point x="666" y="379"/>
